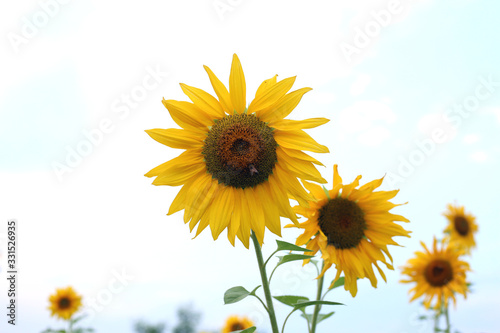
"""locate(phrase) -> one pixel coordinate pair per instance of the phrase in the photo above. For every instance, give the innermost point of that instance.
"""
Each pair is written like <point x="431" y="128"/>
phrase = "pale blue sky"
<point x="101" y="216"/>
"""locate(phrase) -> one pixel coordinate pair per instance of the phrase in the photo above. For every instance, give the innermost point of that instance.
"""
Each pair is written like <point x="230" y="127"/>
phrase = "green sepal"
<point x="326" y="192"/>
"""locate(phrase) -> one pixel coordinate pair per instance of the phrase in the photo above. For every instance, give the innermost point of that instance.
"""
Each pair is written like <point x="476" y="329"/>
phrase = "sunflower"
<point x="64" y="303"/>
<point x="439" y="274"/>
<point x="461" y="229"/>
<point x="235" y="323"/>
<point x="352" y="227"/>
<point x="240" y="165"/>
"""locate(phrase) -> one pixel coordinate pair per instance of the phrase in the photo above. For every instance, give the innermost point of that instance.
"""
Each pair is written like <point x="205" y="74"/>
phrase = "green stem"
<point x="447" y="319"/>
<point x="265" y="284"/>
<point x="283" y="328"/>
<point x="317" y="307"/>
<point x="436" y="320"/>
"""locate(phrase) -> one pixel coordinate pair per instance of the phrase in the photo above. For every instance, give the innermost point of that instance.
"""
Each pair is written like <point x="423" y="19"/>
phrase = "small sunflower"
<point x="351" y="227"/>
<point x="235" y="323"/>
<point x="240" y="165"/>
<point x="461" y="229"/>
<point x="439" y="274"/>
<point x="64" y="303"/>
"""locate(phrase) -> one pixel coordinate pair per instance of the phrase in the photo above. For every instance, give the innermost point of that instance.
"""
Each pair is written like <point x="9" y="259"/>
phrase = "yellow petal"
<point x="274" y="186"/>
<point x="243" y="232"/>
<point x="301" y="169"/>
<point x="178" y="174"/>
<point x="292" y="125"/>
<point x="317" y="191"/>
<point x="221" y="91"/>
<point x="187" y="115"/>
<point x="283" y="107"/>
<point x="301" y="156"/>
<point x="293" y="186"/>
<point x="257" y="222"/>
<point x="266" y="97"/>
<point x="266" y="84"/>
<point x="176" y="138"/>
<point x="272" y="216"/>
<point x="299" y="140"/>
<point x="235" y="218"/>
<point x="188" y="157"/>
<point x="337" y="180"/>
<point x="220" y="211"/>
<point x="237" y="86"/>
<point x="204" y="101"/>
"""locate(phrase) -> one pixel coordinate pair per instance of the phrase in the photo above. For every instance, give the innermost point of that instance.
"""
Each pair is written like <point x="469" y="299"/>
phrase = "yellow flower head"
<point x="438" y="273"/>
<point x="64" y="303"/>
<point x="235" y="323"/>
<point x="352" y="227"/>
<point x="461" y="228"/>
<point x="240" y="165"/>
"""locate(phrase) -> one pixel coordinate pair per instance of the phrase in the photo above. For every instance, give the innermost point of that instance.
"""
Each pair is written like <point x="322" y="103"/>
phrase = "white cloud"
<point x="367" y="120"/>
<point x="470" y="139"/>
<point x="430" y="122"/>
<point x="359" y="86"/>
<point x="479" y="156"/>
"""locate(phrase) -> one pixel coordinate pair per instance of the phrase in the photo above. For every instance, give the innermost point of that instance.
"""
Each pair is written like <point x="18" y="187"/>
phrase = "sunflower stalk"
<point x="265" y="284"/>
<point x="317" y="307"/>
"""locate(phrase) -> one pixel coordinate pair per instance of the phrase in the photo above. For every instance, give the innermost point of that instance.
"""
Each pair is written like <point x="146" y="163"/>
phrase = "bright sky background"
<point x="69" y="77"/>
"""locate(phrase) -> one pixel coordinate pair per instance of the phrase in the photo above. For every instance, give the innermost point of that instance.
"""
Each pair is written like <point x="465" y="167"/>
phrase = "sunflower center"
<point x="240" y="151"/>
<point x="342" y="222"/>
<point x="438" y="273"/>
<point x="461" y="225"/>
<point x="237" y="327"/>
<point x="64" y="303"/>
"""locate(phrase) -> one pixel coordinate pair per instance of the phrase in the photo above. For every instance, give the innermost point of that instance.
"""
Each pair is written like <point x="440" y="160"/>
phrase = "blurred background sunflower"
<point x="64" y="303"/>
<point x="236" y="323"/>
<point x="461" y="228"/>
<point x="438" y="273"/>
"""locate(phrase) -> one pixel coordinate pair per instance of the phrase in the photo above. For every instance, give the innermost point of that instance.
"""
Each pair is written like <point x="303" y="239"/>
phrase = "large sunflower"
<point x="64" y="303"/>
<point x="235" y="323"/>
<point x="438" y="273"/>
<point x="240" y="165"/>
<point x="461" y="228"/>
<point x="351" y="227"/>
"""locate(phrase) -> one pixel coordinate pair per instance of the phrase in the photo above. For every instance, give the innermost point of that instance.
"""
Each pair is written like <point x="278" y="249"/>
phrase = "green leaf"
<point x="254" y="290"/>
<point x="291" y="300"/>
<point x="292" y="257"/>
<point x="304" y="304"/>
<point x="235" y="294"/>
<point x="247" y="330"/>
<point x="339" y="283"/>
<point x="284" y="246"/>
<point x="321" y="317"/>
